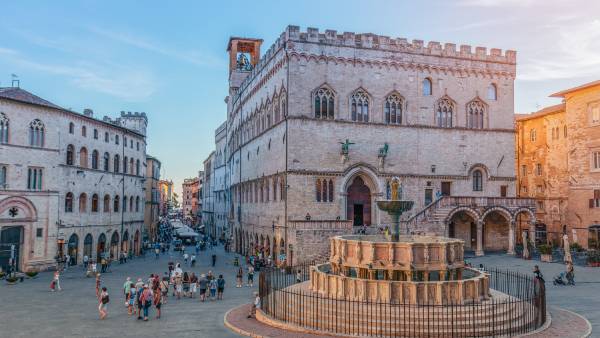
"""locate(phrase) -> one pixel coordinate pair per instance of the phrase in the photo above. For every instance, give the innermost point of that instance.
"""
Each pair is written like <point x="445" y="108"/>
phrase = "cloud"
<point x="193" y="57"/>
<point x="120" y="81"/>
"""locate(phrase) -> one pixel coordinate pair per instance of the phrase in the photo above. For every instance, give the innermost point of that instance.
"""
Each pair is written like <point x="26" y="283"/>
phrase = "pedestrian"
<point x="193" y="260"/>
<point x="94" y="267"/>
<point x="202" y="284"/>
<point x="98" y="283"/>
<point x="86" y="261"/>
<point x="193" y="285"/>
<point x="67" y="261"/>
<point x="213" y="289"/>
<point x="164" y="288"/>
<point x="298" y="276"/>
<point x="255" y="305"/>
<point x="210" y="275"/>
<point x="157" y="252"/>
<point x="138" y="301"/>
<point x="55" y="283"/>
<point x="214" y="259"/>
<point x="126" y="290"/>
<point x="220" y="287"/>
<point x="178" y="284"/>
<point x="158" y="301"/>
<point x="239" y="277"/>
<point x="103" y="264"/>
<point x="250" y="276"/>
<point x="132" y="298"/>
<point x="147" y="297"/>
<point x="103" y="300"/>
<point x="186" y="284"/>
<point x="185" y="258"/>
<point x="570" y="274"/>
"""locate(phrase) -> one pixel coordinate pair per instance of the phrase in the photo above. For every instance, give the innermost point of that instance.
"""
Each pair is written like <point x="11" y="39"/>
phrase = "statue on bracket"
<point x="345" y="153"/>
<point x="383" y="151"/>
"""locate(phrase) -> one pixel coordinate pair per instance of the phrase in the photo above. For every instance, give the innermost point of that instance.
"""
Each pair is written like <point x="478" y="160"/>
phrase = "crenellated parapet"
<point x="385" y="43"/>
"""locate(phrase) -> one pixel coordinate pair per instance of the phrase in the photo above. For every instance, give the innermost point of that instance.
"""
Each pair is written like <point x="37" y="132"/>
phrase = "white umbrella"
<point x="525" y="246"/>
<point x="567" y="248"/>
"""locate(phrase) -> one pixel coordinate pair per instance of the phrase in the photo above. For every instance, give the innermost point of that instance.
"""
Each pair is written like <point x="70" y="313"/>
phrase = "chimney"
<point x="88" y="112"/>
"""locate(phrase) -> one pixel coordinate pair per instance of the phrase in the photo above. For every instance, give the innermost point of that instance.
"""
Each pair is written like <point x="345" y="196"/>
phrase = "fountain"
<point x="395" y="208"/>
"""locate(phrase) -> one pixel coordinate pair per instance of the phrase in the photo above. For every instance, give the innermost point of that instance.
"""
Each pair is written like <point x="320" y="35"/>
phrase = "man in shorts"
<point x="203" y="285"/>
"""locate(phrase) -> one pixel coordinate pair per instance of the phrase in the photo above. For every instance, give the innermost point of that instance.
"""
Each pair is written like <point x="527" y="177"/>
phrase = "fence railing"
<point x="518" y="307"/>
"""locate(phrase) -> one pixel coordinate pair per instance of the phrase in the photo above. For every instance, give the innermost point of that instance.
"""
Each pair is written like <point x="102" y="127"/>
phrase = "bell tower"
<point x="244" y="54"/>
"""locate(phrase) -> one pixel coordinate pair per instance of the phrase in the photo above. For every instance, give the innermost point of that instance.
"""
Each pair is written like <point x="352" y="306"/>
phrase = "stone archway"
<point x="463" y="225"/>
<point x="359" y="189"/>
<point x="496" y="225"/>
<point x="100" y="247"/>
<point x="73" y="249"/>
<point x="358" y="202"/>
<point x="17" y="218"/>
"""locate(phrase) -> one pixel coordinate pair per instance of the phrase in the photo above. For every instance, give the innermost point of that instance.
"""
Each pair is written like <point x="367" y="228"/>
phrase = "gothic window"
<point x="71" y="128"/>
<point x="95" y="134"/>
<point x="95" y="159"/>
<point x="69" y="202"/>
<point x="276" y="109"/>
<point x="116" y="162"/>
<point x="492" y="92"/>
<point x="83" y="160"/>
<point x="475" y="114"/>
<point x="131" y="166"/>
<point x="124" y="203"/>
<point x="324" y="188"/>
<point x="477" y="180"/>
<point x="427" y="87"/>
<point x="83" y="131"/>
<point x="106" y="138"/>
<point x="116" y="139"/>
<point x="330" y="190"/>
<point x="3" y="128"/>
<point x="284" y="106"/>
<point x="393" y="109"/>
<point x="3" y="177"/>
<point x="267" y="190"/>
<point x="95" y="203"/>
<point x="36" y="133"/>
<point x="319" y="190"/>
<point x="106" y="203"/>
<point x="106" y="161"/>
<point x="359" y="106"/>
<point x="125" y="164"/>
<point x="82" y="202"/>
<point x="70" y="154"/>
<point x="324" y="103"/>
<point x="444" y="110"/>
<point x="116" y="202"/>
<point x="137" y="167"/>
<point x="137" y="204"/>
<point x="269" y="111"/>
<point x="282" y="189"/>
<point x="130" y="204"/>
<point x="34" y="179"/>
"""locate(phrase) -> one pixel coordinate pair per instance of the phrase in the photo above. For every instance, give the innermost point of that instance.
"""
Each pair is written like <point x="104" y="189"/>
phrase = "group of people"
<point x="188" y="284"/>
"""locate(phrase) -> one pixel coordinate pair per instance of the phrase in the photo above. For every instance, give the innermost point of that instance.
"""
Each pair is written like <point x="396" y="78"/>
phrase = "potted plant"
<point x="593" y="258"/>
<point x="11" y="280"/>
<point x="545" y="252"/>
<point x="576" y="247"/>
<point x="2" y="274"/>
<point x="31" y="274"/>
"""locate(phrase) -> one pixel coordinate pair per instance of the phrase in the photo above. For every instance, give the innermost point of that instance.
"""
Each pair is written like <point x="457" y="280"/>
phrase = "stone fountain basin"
<point x="395" y="206"/>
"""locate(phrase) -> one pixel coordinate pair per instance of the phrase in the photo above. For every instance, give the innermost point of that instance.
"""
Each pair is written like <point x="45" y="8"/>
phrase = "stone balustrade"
<point x="320" y="224"/>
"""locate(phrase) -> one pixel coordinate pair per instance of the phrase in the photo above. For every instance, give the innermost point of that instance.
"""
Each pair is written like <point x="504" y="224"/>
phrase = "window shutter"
<point x="591" y="203"/>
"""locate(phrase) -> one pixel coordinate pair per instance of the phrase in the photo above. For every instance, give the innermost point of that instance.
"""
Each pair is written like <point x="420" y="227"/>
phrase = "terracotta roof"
<point x="544" y="111"/>
<point x="574" y="89"/>
<point x="18" y="94"/>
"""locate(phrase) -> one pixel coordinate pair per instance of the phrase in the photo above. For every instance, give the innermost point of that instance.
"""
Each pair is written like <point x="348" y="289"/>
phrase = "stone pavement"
<point x="28" y="309"/>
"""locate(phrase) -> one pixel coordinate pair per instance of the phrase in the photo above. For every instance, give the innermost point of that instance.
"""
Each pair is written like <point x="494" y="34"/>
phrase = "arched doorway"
<point x="463" y="225"/>
<point x="136" y="243"/>
<point x="9" y="237"/>
<point x="114" y="246"/>
<point x="496" y="227"/>
<point x="73" y="249"/>
<point x="100" y="247"/>
<point x="358" y="202"/>
<point x="125" y="242"/>
<point x="87" y="245"/>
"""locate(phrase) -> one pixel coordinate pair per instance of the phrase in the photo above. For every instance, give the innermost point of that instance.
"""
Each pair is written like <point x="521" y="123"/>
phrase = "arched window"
<point x="276" y="109"/>
<point x="124" y="203"/>
<point x="106" y="203"/>
<point x="95" y="203"/>
<point x="116" y="139"/>
<point x="125" y="164"/>
<point x="3" y="128"/>
<point x="477" y="180"/>
<point x="71" y="128"/>
<point x="319" y="190"/>
<point x="106" y="138"/>
<point x="3" y="178"/>
<point x="393" y="109"/>
<point x="83" y="131"/>
<point x="116" y="163"/>
<point x="330" y="190"/>
<point x="137" y="204"/>
<point x="131" y="166"/>
<point x="69" y="202"/>
<point x="324" y="188"/>
<point x="444" y="110"/>
<point x="70" y="154"/>
<point x="492" y="92"/>
<point x="427" y="87"/>
<point x="475" y="114"/>
<point x="106" y="161"/>
<point x="137" y="167"/>
<point x="130" y="204"/>
<point x="83" y="157"/>
<point x="282" y="191"/>
<point x="36" y="133"/>
<point x="82" y="202"/>
<point x="95" y="134"/>
<point x="116" y="202"/>
<point x="324" y="103"/>
<point x="95" y="159"/>
<point x="284" y="106"/>
<point x="275" y="189"/>
<point x="359" y="106"/>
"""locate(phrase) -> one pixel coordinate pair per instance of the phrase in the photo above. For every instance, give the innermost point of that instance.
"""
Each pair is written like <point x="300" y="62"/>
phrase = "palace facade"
<point x="69" y="183"/>
<point x="318" y="126"/>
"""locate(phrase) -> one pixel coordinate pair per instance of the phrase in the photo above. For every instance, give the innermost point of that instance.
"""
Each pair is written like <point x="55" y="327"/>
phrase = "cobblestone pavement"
<point x="30" y="310"/>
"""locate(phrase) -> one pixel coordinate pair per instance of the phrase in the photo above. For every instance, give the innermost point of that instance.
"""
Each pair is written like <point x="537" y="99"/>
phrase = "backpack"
<point x="105" y="299"/>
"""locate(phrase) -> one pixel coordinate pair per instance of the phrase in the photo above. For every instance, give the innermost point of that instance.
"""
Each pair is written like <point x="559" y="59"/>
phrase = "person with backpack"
<point x="103" y="303"/>
<point x="158" y="301"/>
<point x="132" y="298"/>
<point x="220" y="287"/>
<point x="138" y="300"/>
<point x="146" y="298"/>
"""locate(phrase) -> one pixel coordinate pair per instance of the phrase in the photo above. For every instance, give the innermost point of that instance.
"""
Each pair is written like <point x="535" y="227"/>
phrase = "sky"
<point x="168" y="58"/>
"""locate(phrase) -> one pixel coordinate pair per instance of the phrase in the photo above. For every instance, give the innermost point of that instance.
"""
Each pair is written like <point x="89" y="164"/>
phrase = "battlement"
<point x="381" y="42"/>
<point x="136" y="114"/>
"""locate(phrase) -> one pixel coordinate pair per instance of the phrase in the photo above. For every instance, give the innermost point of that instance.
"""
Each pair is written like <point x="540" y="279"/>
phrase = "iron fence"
<point x="520" y="308"/>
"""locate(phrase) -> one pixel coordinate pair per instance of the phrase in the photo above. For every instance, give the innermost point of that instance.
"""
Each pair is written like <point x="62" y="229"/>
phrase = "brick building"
<point x="318" y="126"/>
<point x="69" y="183"/>
<point x="189" y="203"/>
<point x="152" y="209"/>
<point x="558" y="161"/>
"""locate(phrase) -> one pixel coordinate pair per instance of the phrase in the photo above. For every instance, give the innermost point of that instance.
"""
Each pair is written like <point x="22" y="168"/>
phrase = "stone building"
<point x="318" y="126"/>
<point x="558" y="161"/>
<point x="189" y="203"/>
<point x="151" y="212"/>
<point x="69" y="183"/>
<point x="208" y="219"/>
<point x="165" y="188"/>
<point x="199" y="195"/>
